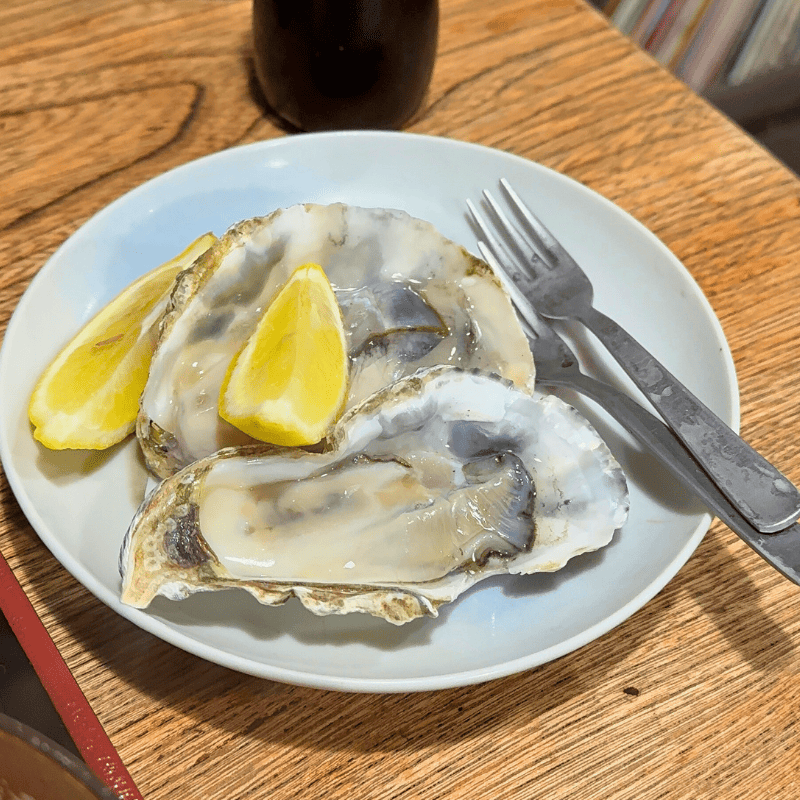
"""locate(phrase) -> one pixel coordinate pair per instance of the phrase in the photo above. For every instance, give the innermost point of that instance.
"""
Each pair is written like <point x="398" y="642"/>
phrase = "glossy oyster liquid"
<point x="334" y="64"/>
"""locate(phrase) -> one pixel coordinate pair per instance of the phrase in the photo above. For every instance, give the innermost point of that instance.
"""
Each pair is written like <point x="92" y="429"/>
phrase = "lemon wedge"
<point x="88" y="397"/>
<point x="288" y="384"/>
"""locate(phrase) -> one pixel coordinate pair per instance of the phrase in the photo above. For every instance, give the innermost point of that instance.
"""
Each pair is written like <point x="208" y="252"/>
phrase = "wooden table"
<point x="696" y="695"/>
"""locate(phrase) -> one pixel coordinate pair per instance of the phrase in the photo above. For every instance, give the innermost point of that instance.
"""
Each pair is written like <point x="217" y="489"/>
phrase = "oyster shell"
<point x="410" y="299"/>
<point x="428" y="486"/>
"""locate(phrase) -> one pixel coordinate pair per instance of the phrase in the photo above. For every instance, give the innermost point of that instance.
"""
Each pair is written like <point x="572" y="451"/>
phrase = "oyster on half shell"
<point x="429" y="485"/>
<point x="410" y="298"/>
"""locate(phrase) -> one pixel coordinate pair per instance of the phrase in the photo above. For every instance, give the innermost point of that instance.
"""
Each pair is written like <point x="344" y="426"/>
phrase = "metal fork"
<point x="559" y="289"/>
<point x="557" y="365"/>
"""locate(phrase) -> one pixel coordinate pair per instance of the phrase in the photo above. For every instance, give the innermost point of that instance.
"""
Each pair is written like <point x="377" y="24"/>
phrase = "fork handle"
<point x="764" y="496"/>
<point x="782" y="550"/>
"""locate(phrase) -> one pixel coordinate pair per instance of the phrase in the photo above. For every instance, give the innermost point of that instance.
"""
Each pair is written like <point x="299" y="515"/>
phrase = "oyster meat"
<point x="410" y="299"/>
<point x="427" y="486"/>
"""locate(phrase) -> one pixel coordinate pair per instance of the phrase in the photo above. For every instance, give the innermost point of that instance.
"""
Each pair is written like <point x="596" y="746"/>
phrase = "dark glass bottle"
<point x="332" y="64"/>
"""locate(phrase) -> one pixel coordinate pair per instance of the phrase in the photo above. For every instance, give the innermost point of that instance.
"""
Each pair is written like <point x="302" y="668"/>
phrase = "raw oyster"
<point x="410" y="299"/>
<point x="428" y="486"/>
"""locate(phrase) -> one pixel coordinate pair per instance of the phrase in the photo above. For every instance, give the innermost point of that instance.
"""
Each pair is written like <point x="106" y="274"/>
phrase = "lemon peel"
<point x="288" y="384"/>
<point x="88" y="397"/>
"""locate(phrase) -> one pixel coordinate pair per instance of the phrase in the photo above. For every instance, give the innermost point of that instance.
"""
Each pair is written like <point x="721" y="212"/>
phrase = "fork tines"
<point x="535" y="226"/>
<point x="504" y="265"/>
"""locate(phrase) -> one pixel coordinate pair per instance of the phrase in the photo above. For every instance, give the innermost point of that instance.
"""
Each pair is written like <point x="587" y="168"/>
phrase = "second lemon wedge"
<point x="88" y="397"/>
<point x="288" y="384"/>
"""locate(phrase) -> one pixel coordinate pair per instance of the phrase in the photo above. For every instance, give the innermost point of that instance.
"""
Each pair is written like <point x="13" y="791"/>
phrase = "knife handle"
<point x="781" y="550"/>
<point x="762" y="494"/>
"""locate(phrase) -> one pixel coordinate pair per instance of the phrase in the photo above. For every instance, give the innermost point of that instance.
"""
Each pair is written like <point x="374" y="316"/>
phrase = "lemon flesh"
<point x="88" y="397"/>
<point x="288" y="384"/>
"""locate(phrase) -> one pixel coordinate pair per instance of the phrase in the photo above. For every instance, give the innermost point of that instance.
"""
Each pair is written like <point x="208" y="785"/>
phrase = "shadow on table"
<point x="730" y="597"/>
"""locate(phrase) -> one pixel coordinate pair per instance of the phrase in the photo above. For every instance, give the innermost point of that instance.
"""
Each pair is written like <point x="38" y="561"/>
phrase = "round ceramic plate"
<point x="80" y="503"/>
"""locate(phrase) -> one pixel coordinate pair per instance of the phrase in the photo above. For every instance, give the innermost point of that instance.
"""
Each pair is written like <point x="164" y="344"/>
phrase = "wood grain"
<point x="693" y="697"/>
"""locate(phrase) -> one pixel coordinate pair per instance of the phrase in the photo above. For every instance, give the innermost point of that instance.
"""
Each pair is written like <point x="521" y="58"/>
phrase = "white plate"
<point x="80" y="504"/>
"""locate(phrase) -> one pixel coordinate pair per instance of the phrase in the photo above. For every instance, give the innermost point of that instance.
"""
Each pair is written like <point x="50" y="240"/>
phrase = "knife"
<point x="781" y="550"/>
